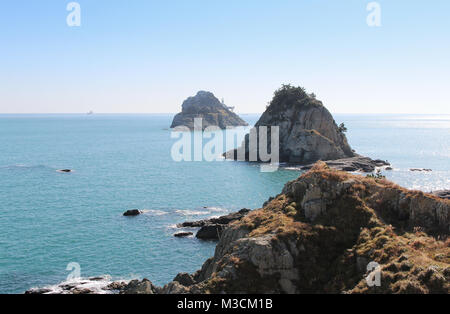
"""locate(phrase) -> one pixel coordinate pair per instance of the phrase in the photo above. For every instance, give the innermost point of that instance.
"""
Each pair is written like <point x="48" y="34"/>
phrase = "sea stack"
<point x="206" y="106"/>
<point x="307" y="133"/>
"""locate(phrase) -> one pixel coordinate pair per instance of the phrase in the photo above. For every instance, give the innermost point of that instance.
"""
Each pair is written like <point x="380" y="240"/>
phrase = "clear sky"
<point x="148" y="56"/>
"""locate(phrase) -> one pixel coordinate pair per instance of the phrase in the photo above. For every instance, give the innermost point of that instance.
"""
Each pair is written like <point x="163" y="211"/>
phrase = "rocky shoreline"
<point x="354" y="164"/>
<point x="319" y="236"/>
<point x="211" y="229"/>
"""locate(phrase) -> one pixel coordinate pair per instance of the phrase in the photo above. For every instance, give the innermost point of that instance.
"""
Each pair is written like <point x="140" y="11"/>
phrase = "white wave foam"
<point x="154" y="212"/>
<point x="95" y="285"/>
<point x="187" y="212"/>
<point x="216" y="209"/>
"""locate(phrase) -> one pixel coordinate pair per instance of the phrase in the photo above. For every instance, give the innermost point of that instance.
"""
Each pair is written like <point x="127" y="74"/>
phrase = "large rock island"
<point x="307" y="133"/>
<point x="206" y="106"/>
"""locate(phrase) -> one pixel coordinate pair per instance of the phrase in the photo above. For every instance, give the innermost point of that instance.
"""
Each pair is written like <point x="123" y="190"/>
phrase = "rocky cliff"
<point x="307" y="130"/>
<point x="319" y="236"/>
<point x="206" y="106"/>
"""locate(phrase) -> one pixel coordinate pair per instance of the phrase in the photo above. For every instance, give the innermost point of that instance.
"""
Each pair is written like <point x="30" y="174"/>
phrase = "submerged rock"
<point x="183" y="234"/>
<point x="132" y="212"/>
<point x="206" y="106"/>
<point x="38" y="291"/>
<point x="64" y="170"/>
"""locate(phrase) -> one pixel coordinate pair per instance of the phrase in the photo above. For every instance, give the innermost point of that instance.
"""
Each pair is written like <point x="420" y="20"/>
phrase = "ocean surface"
<point x="50" y="219"/>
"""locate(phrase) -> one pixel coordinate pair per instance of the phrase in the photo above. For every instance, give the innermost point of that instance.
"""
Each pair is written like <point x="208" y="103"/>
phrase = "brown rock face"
<point x="206" y="106"/>
<point x="323" y="231"/>
<point x="308" y="132"/>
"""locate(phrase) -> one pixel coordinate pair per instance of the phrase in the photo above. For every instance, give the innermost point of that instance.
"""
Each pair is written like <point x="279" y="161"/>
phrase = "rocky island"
<point x="307" y="133"/>
<point x="323" y="234"/>
<point x="206" y="106"/>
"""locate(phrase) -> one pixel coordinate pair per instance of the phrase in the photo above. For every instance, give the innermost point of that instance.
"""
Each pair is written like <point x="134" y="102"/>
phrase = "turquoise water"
<point x="49" y="219"/>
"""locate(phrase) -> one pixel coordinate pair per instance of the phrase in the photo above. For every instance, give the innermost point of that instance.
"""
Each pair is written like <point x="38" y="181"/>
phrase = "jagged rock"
<point x="223" y="220"/>
<point x="82" y="291"/>
<point x="183" y="234"/>
<point x="211" y="229"/>
<point x="174" y="287"/>
<point x="132" y="212"/>
<point x="206" y="106"/>
<point x="322" y="231"/>
<point x="210" y="232"/>
<point x="139" y="287"/>
<point x="116" y="285"/>
<point x="358" y="163"/>
<point x="185" y="279"/>
<point x="307" y="130"/>
<point x="38" y="291"/>
<point x="442" y="194"/>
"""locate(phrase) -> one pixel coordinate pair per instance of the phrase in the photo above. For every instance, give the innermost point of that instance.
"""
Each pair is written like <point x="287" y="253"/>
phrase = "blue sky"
<point x="148" y="56"/>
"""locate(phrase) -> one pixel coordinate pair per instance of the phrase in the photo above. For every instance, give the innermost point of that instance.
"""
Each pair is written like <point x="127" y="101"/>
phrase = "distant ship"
<point x="90" y="112"/>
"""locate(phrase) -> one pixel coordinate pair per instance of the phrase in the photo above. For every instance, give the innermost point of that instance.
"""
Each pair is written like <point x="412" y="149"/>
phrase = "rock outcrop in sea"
<point x="329" y="231"/>
<point x="307" y="132"/>
<point x="206" y="106"/>
<point x="211" y="229"/>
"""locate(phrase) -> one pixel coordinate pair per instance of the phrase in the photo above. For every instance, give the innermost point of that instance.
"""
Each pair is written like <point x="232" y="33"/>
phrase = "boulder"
<point x="223" y="220"/>
<point x="210" y="232"/>
<point x="207" y="107"/>
<point x="132" y="212"/>
<point x="184" y="279"/>
<point x="38" y="291"/>
<point x="139" y="287"/>
<point x="183" y="234"/>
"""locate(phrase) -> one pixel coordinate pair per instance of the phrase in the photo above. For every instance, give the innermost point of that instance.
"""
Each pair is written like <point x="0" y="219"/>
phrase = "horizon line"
<point x="173" y="113"/>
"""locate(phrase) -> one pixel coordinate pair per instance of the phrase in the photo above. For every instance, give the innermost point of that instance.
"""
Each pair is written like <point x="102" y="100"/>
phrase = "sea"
<point x="54" y="225"/>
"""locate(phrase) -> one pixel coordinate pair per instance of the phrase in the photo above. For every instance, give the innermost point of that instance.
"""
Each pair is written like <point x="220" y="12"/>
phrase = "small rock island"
<point x="206" y="106"/>
<point x="308" y="133"/>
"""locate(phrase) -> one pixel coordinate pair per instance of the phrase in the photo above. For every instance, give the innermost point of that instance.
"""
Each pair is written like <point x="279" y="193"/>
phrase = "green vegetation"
<point x="288" y="95"/>
<point x="377" y="175"/>
<point x="342" y="128"/>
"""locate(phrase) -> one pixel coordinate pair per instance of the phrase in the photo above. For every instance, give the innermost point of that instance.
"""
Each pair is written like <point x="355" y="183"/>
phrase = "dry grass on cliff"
<point x="351" y="230"/>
